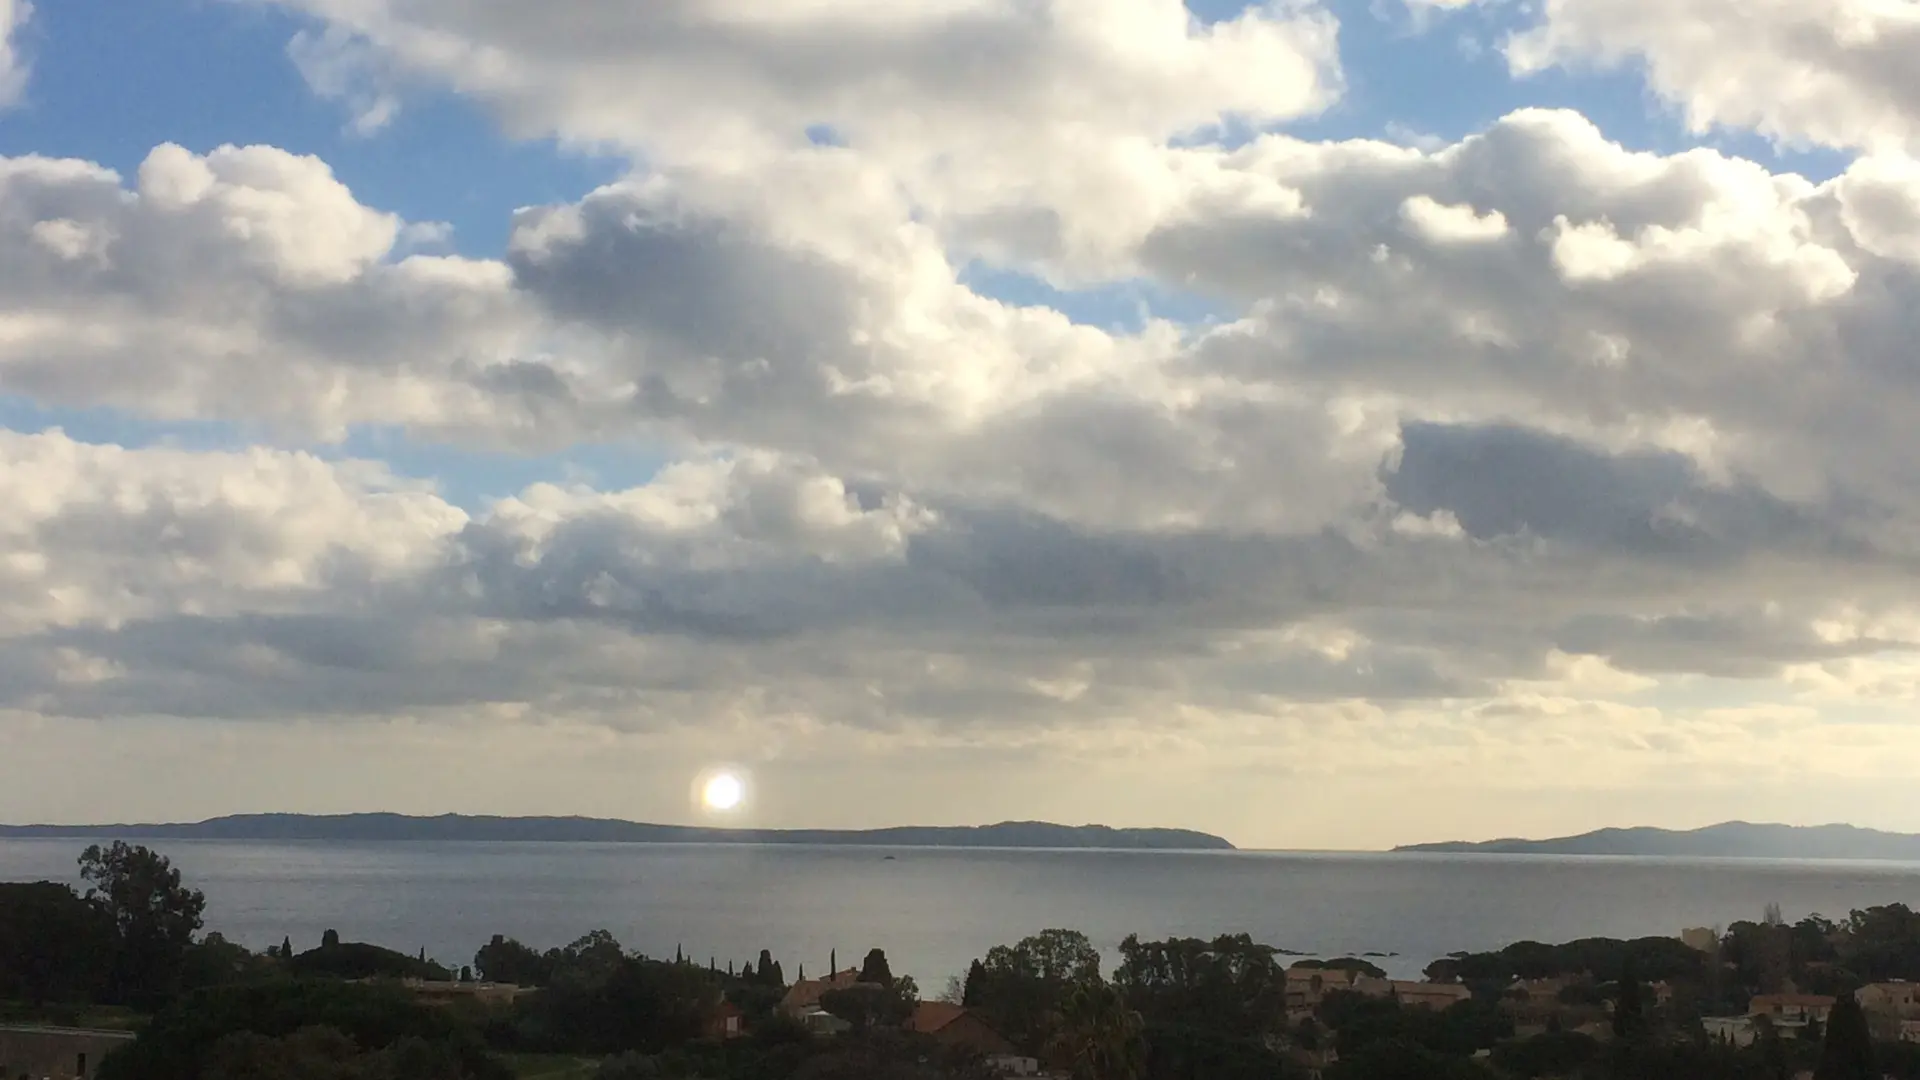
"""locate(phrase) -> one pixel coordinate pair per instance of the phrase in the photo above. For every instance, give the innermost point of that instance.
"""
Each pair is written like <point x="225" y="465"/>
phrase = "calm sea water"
<point x="933" y="910"/>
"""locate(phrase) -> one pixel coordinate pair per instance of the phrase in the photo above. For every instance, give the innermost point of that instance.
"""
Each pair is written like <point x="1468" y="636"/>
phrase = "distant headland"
<point x="1732" y="839"/>
<point x="462" y="827"/>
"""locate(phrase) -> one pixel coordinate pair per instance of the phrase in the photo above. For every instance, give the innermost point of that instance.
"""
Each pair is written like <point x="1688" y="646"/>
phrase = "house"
<point x="723" y="1021"/>
<point x="55" y="1053"/>
<point x="1700" y="938"/>
<point x="1426" y="995"/>
<point x="804" y="996"/>
<point x="1892" y="1000"/>
<point x="1308" y="986"/>
<point x="1538" y="993"/>
<point x="1789" y="1014"/>
<point x="434" y="992"/>
<point x="957" y="1026"/>
<point x="819" y="1021"/>
<point x="1732" y="1030"/>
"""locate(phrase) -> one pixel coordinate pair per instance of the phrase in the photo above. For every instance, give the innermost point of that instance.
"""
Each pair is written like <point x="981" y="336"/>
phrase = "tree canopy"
<point x="154" y="918"/>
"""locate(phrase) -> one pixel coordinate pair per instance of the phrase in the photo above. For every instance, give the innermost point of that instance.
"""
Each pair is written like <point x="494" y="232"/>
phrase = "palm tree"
<point x="1098" y="1034"/>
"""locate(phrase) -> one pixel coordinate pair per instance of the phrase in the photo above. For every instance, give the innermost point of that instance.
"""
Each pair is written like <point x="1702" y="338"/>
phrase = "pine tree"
<point x="286" y="948"/>
<point x="678" y="957"/>
<point x="1847" y="1053"/>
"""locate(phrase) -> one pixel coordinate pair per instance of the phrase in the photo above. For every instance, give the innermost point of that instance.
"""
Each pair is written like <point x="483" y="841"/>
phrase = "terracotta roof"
<point x="930" y="1016"/>
<point x="807" y="992"/>
<point x="1805" y="1001"/>
<point x="1424" y="989"/>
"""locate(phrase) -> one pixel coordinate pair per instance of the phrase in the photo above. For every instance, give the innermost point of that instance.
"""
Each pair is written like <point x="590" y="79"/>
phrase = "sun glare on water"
<point x="723" y="791"/>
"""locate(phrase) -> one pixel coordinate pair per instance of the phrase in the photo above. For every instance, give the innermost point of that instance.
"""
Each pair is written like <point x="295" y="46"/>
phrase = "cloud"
<point x="13" y="66"/>
<point x="336" y="66"/>
<point x="1834" y="73"/>
<point x="697" y="76"/>
<point x="1506" y="450"/>
<point x="1029" y="129"/>
<point x="246" y="284"/>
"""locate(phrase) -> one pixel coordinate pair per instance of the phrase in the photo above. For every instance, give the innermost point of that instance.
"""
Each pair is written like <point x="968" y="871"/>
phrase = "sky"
<point x="1326" y="423"/>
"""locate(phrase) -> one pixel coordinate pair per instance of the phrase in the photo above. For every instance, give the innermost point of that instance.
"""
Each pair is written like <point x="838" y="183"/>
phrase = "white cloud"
<point x="1827" y="72"/>
<point x="336" y="66"/>
<point x="246" y="284"/>
<point x="1880" y="204"/>
<point x="13" y="67"/>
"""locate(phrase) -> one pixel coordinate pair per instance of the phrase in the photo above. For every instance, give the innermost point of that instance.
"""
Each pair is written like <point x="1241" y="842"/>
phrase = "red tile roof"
<point x="930" y="1016"/>
<point x="807" y="992"/>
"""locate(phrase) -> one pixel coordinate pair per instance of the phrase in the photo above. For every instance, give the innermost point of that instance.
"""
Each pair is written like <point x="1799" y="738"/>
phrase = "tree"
<point x="504" y="960"/>
<point x="254" y="1032"/>
<point x="215" y="961"/>
<point x="1017" y="988"/>
<point x="875" y="970"/>
<point x="590" y="957"/>
<point x="1629" y="1011"/>
<point x="1097" y="1036"/>
<point x="286" y="948"/>
<point x="154" y="918"/>
<point x="1062" y="956"/>
<point x="361" y="960"/>
<point x="54" y="946"/>
<point x="1847" y="1052"/>
<point x="872" y="1004"/>
<point x="975" y="985"/>
<point x="765" y="971"/>
<point x="330" y="939"/>
<point x="635" y="1004"/>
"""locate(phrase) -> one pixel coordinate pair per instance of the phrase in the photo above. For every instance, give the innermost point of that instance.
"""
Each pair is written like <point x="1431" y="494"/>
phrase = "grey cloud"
<point x="1502" y="480"/>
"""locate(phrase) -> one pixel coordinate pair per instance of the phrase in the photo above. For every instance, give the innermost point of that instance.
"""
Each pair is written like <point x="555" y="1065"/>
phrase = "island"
<point x="463" y="827"/>
<point x="1732" y="839"/>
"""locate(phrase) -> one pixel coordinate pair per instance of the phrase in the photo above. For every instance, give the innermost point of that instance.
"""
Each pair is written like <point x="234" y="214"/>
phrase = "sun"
<point x="723" y="791"/>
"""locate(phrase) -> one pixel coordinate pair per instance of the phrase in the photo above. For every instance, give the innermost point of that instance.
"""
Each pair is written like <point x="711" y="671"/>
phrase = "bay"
<point x="933" y="910"/>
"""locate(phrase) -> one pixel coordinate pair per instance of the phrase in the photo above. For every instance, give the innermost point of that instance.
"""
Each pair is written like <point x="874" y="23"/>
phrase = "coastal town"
<point x="122" y="984"/>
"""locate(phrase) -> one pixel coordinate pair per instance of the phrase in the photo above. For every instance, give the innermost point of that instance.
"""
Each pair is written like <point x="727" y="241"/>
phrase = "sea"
<point x="935" y="909"/>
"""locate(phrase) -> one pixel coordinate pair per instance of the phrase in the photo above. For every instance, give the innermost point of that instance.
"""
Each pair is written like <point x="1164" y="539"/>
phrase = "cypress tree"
<point x="876" y="970"/>
<point x="1847" y="1052"/>
<point x="779" y="978"/>
<point x="286" y="948"/>
<point x="1629" y="1012"/>
<point x="976" y="985"/>
<point x="765" y="972"/>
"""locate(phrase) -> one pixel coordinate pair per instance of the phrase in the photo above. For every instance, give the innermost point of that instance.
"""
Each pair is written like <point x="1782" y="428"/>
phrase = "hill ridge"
<point x="388" y="826"/>
<point x="1728" y="839"/>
